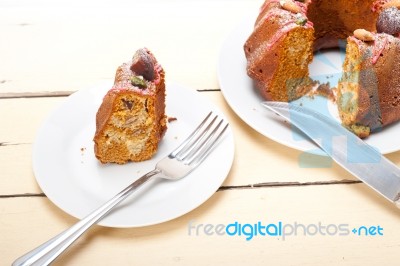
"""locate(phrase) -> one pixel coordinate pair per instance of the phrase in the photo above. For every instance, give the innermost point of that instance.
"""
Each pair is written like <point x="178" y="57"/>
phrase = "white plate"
<point x="72" y="178"/>
<point x="243" y="98"/>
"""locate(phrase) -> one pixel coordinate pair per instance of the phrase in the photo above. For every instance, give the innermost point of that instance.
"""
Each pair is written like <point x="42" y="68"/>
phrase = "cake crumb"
<point x="171" y="119"/>
<point x="83" y="149"/>
<point x="306" y="87"/>
<point x="323" y="90"/>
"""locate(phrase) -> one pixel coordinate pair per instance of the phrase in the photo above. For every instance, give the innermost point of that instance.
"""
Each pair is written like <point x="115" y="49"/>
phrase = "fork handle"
<point x="51" y="249"/>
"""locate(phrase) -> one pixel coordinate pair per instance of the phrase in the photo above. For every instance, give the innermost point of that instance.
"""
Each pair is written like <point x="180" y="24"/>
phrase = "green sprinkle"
<point x="138" y="82"/>
<point x="301" y="21"/>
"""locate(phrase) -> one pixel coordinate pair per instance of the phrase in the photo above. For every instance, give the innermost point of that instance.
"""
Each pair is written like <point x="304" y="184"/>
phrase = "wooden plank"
<point x="23" y="117"/>
<point x="66" y="48"/>
<point x="41" y="94"/>
<point x="170" y="243"/>
<point x="16" y="170"/>
<point x="258" y="161"/>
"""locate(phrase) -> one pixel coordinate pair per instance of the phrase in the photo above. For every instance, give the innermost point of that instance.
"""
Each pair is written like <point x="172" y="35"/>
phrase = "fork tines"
<point x="202" y="140"/>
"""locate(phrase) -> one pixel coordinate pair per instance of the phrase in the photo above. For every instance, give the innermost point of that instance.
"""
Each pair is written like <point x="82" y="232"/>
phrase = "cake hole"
<point x="260" y="70"/>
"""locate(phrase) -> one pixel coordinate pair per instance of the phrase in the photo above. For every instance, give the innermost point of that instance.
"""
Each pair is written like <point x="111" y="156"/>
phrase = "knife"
<point x="345" y="148"/>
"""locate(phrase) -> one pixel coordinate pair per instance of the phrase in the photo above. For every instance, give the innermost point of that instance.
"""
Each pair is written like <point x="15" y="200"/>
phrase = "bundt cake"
<point x="287" y="32"/>
<point x="131" y="120"/>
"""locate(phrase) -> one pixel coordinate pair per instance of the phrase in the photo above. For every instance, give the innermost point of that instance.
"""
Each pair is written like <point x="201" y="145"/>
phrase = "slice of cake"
<point x="278" y="52"/>
<point x="131" y="120"/>
<point x="369" y="90"/>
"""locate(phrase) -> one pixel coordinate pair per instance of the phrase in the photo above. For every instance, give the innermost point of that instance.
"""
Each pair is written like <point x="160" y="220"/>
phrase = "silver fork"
<point x="179" y="163"/>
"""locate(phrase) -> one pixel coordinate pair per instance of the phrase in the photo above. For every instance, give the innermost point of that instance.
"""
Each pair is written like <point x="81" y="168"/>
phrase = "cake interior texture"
<point x="348" y="91"/>
<point x="296" y="53"/>
<point x="132" y="130"/>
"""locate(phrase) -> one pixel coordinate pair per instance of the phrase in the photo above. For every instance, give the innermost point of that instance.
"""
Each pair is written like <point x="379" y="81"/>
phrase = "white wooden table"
<point x="49" y="50"/>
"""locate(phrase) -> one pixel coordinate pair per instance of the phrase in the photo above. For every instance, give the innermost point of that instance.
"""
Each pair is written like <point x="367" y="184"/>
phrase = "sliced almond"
<point x="393" y="3"/>
<point x="364" y="35"/>
<point x="289" y="5"/>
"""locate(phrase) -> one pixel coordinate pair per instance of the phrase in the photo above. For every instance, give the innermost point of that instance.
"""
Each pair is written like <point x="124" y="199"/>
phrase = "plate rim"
<point x="227" y="142"/>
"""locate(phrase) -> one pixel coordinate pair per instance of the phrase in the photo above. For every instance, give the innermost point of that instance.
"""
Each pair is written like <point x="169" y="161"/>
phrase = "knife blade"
<point x="345" y="148"/>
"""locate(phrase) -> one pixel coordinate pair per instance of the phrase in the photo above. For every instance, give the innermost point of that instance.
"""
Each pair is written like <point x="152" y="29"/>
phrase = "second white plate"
<point x="245" y="100"/>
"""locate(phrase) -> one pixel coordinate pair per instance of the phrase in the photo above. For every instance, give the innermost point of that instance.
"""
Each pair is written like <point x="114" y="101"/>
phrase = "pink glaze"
<point x="125" y="83"/>
<point x="308" y="24"/>
<point x="302" y="6"/>
<point x="286" y="28"/>
<point x="266" y="4"/>
<point x="377" y="5"/>
<point x="127" y="86"/>
<point x="378" y="49"/>
<point x="158" y="69"/>
<point x="270" y="14"/>
<point x="359" y="42"/>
